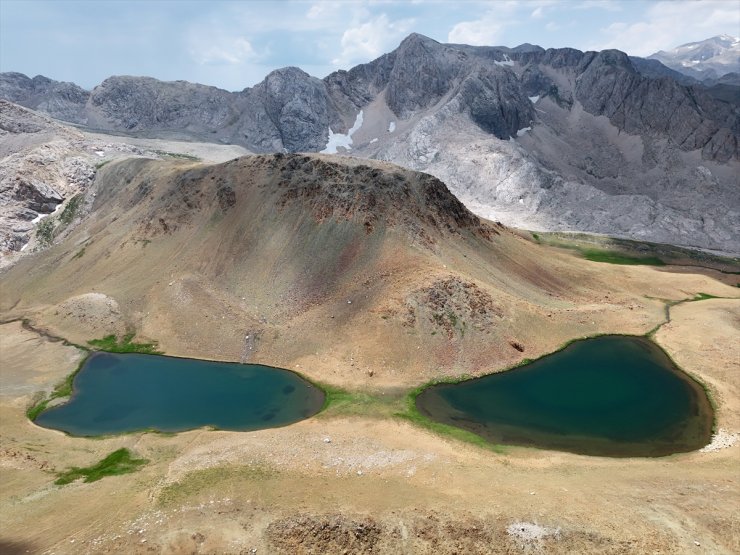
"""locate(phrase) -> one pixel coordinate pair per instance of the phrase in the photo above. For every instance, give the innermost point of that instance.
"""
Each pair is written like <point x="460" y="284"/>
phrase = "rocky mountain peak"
<point x="527" y="47"/>
<point x="615" y="58"/>
<point x="285" y="75"/>
<point x="299" y="107"/>
<point x="416" y="39"/>
<point x="422" y="73"/>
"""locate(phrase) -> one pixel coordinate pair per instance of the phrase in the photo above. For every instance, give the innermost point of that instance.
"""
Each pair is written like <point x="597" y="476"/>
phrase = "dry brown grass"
<point x="317" y="293"/>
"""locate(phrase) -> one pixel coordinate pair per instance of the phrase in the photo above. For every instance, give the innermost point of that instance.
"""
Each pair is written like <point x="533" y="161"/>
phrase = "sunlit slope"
<point x="348" y="270"/>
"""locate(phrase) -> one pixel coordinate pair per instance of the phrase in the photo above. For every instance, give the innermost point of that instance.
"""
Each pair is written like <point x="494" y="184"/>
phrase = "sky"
<point x="234" y="44"/>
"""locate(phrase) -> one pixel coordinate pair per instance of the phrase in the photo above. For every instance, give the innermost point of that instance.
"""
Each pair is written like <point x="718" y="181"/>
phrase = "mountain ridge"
<point x="705" y="60"/>
<point x="555" y="129"/>
<point x="418" y="72"/>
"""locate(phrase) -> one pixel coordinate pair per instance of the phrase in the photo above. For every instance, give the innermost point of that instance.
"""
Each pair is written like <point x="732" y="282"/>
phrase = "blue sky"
<point x="234" y="44"/>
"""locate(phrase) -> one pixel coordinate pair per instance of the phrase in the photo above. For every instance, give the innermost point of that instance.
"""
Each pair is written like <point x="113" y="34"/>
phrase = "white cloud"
<point x="667" y="24"/>
<point x="323" y="8"/>
<point x="608" y="5"/>
<point x="477" y="33"/>
<point x="543" y="6"/>
<point x="366" y="41"/>
<point x="223" y="51"/>
<point x="485" y="31"/>
<point x="217" y="41"/>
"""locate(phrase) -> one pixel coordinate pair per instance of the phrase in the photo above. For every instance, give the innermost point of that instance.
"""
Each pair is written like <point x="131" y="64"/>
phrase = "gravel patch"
<point x="721" y="440"/>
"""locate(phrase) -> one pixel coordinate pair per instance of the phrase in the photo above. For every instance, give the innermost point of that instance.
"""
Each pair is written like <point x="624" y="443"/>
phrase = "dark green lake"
<point x="613" y="396"/>
<point x="116" y="393"/>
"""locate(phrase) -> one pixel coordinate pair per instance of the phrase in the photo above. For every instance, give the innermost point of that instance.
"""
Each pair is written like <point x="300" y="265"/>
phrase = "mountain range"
<point x="710" y="59"/>
<point x="554" y="139"/>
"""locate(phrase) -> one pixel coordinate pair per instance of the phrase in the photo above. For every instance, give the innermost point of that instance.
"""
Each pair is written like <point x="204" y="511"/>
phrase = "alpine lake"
<point x="118" y="393"/>
<point x="616" y="396"/>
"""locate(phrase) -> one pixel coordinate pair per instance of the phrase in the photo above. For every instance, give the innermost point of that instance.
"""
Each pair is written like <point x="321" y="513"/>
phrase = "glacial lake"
<point x="612" y="396"/>
<point x="115" y="393"/>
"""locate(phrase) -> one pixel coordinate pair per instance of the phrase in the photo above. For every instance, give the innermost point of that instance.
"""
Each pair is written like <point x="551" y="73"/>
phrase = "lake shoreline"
<point x="97" y="370"/>
<point x="425" y="399"/>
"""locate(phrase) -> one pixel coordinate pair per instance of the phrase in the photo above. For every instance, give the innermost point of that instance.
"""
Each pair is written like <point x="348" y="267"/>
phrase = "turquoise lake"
<point x="115" y="393"/>
<point x="612" y="396"/>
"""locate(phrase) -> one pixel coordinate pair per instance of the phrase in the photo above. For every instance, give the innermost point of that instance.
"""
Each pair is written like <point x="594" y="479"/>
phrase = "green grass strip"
<point x="705" y="296"/>
<point x="117" y="463"/>
<point x="177" y="155"/>
<point x="62" y="389"/>
<point x="70" y="211"/>
<point x="414" y="416"/>
<point x="111" y="344"/>
<point x="33" y="412"/>
<point x="611" y="257"/>
<point x="342" y="402"/>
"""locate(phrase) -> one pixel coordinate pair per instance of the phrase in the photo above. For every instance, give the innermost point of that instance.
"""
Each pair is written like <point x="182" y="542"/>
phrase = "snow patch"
<point x="507" y="62"/>
<point x="340" y="140"/>
<point x="534" y="99"/>
<point x="40" y="217"/>
<point x="522" y="131"/>
<point x="391" y="127"/>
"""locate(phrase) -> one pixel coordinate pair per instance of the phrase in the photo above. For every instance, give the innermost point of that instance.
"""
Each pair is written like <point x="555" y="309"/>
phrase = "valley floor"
<point x="357" y="479"/>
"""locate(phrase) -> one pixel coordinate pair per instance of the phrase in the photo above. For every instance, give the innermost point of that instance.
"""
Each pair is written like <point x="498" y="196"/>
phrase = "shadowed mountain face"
<point x="626" y="139"/>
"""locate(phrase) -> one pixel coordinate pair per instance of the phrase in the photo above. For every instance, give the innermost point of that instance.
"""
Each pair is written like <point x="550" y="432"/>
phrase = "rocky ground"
<point x="599" y="179"/>
<point x="359" y="480"/>
<point x="197" y="257"/>
<point x="46" y="167"/>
